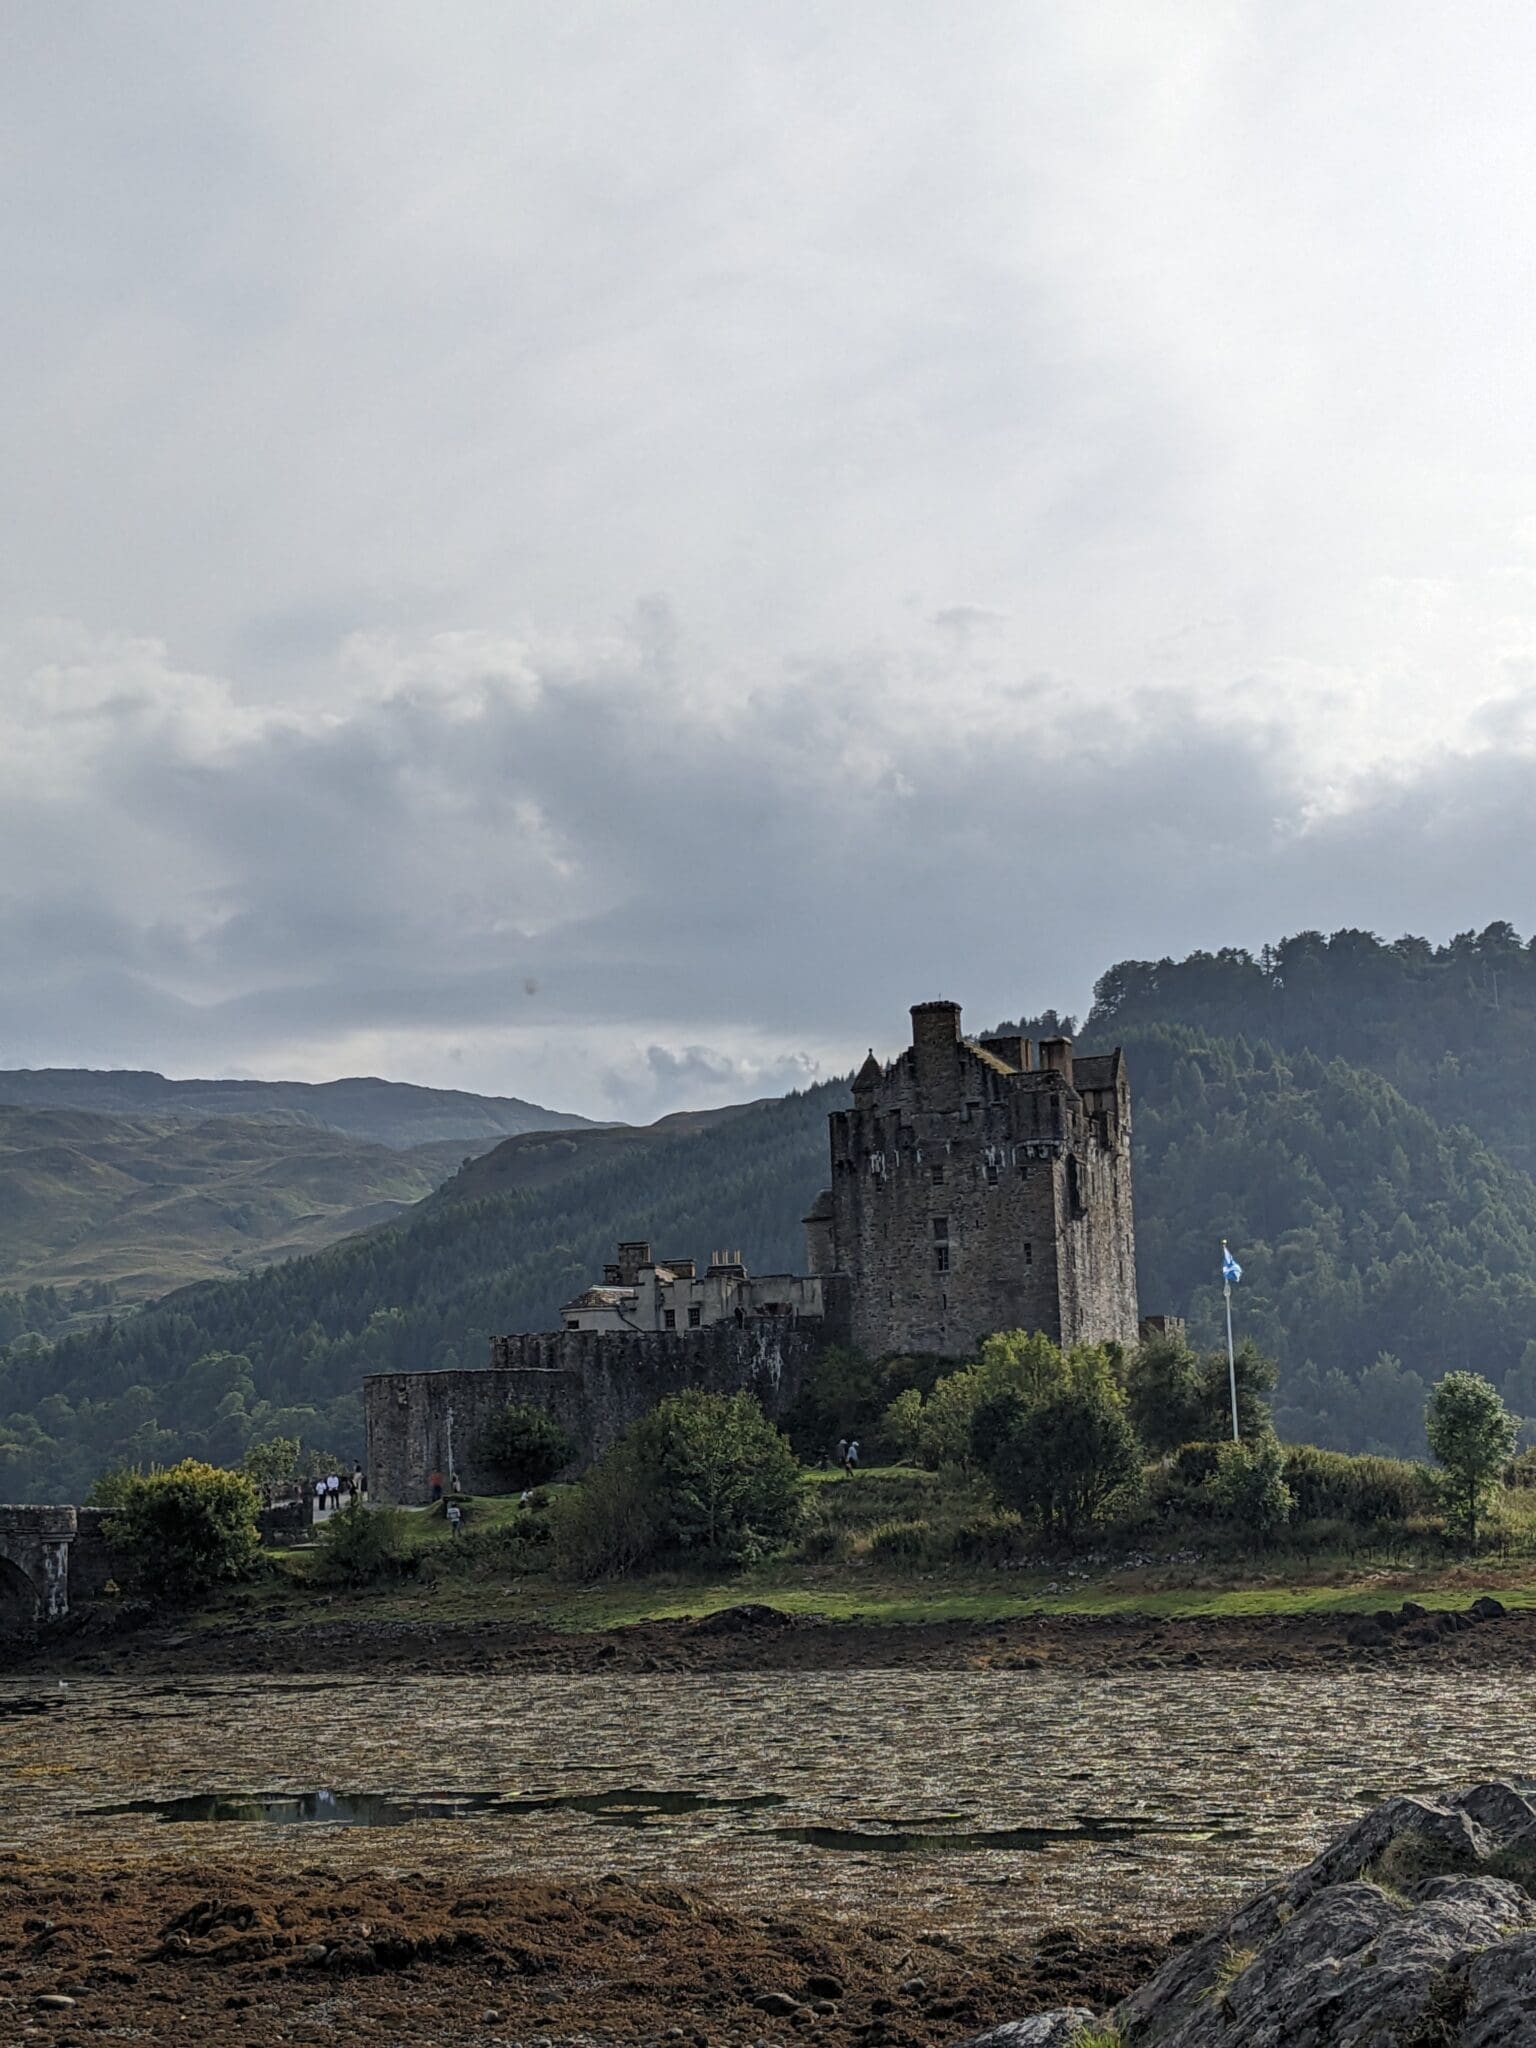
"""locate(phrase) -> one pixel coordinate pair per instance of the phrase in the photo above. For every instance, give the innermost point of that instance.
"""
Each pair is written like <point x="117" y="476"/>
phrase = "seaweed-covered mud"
<point x="757" y="1637"/>
<point x="205" y="1954"/>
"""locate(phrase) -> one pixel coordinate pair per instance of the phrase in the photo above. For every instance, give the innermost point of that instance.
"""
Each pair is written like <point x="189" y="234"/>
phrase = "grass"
<point x="887" y="1593"/>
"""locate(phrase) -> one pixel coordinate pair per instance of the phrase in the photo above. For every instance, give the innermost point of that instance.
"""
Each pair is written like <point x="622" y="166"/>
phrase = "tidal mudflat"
<point x="979" y="1800"/>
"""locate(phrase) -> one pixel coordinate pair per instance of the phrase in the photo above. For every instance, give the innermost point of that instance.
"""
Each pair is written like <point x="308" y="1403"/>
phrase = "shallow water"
<point x="1004" y="1798"/>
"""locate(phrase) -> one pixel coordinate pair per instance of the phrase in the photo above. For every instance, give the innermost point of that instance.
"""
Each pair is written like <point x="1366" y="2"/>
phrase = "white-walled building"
<point x="639" y="1292"/>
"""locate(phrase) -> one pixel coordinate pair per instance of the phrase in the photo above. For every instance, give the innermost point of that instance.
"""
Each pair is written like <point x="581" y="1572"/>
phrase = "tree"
<point x="361" y="1545"/>
<point x="1177" y="1395"/>
<point x="724" y="1480"/>
<point x="524" y="1446"/>
<point x="703" y="1473"/>
<point x="186" y="1528"/>
<point x="271" y="1466"/>
<point x="1471" y="1434"/>
<point x="1062" y="1462"/>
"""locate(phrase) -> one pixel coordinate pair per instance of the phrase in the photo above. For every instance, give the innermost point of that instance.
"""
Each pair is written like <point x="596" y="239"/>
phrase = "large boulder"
<point x="1414" y="1927"/>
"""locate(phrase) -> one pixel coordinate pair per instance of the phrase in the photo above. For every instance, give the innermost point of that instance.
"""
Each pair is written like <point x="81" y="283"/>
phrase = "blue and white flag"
<point x="1231" y="1271"/>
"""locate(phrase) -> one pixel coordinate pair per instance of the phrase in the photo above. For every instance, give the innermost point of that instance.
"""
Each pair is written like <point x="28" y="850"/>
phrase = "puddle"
<point x="906" y="1840"/>
<point x="627" y="1807"/>
<point x="976" y="1799"/>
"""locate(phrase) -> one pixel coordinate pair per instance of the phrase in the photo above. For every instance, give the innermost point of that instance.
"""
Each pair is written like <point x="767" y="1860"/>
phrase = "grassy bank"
<point x="456" y="1580"/>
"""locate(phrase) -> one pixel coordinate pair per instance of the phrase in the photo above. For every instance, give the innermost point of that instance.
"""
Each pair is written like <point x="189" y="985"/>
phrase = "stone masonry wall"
<point x="595" y="1383"/>
<point x="967" y="1197"/>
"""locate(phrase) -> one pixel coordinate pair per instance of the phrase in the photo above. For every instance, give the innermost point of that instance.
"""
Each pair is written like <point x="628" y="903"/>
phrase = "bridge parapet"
<point x="34" y="1562"/>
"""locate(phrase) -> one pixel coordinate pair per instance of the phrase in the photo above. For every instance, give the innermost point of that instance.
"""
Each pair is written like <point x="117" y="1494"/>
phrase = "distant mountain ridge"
<point x="398" y="1114"/>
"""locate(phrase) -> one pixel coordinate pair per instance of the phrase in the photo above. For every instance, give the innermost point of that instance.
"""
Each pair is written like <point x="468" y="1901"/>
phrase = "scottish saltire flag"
<point x="1231" y="1271"/>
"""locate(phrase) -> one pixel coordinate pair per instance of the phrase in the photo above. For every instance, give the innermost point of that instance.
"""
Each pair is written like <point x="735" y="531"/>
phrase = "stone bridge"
<point x="34" y="1565"/>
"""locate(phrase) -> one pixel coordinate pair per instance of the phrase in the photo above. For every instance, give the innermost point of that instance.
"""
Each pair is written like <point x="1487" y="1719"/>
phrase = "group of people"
<point x="848" y="1454"/>
<point x="334" y="1489"/>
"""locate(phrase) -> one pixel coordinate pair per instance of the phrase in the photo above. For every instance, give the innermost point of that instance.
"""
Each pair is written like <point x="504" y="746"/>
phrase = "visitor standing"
<point x="455" y="1516"/>
<point x="853" y="1456"/>
<point x="842" y="1454"/>
<point x="436" y="1484"/>
<point x="358" y="1484"/>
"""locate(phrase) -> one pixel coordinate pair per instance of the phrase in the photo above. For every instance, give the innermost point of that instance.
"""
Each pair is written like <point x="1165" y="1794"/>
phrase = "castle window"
<point x="944" y="1303"/>
<point x="941" y="1258"/>
<point x="991" y="1173"/>
<point x="936" y="1173"/>
<point x="669" y="1317"/>
<point x="941" y="1226"/>
<point x="1029" y="1255"/>
<point x="695" y="1316"/>
<point x="571" y="1323"/>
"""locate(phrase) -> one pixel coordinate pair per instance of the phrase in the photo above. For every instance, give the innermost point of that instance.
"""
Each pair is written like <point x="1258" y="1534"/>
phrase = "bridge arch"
<point x="34" y="1565"/>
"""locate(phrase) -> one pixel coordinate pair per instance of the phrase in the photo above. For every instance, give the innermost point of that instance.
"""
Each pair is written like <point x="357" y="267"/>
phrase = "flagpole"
<point x="1226" y="1289"/>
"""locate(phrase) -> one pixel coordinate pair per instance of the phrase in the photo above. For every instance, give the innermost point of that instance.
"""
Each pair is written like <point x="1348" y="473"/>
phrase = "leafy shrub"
<point x="523" y="1446"/>
<point x="704" y="1474"/>
<point x="506" y="1549"/>
<point x="990" y="1537"/>
<point x="608" y="1524"/>
<point x="823" y="1541"/>
<point x="362" y="1545"/>
<point x="184" y="1529"/>
<point x="1249" y="1487"/>
<point x="899" y="1542"/>
<point x="1520" y="1472"/>
<point x="1064" y="1462"/>
<point x="1194" y="1464"/>
<point x="1361" y="1490"/>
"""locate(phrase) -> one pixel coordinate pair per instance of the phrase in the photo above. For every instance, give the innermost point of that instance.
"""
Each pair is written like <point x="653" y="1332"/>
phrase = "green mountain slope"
<point x="1452" y="1027"/>
<point x="430" y="1291"/>
<point x="393" y="1113"/>
<point x="123" y="1209"/>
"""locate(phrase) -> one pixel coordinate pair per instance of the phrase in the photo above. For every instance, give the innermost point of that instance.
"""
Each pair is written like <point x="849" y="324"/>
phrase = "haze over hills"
<point x="1381" y="1245"/>
<point x="393" y="1113"/>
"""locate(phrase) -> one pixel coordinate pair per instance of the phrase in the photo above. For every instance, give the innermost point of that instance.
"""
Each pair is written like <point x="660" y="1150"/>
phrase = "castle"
<point x="974" y="1190"/>
<point x="975" y="1187"/>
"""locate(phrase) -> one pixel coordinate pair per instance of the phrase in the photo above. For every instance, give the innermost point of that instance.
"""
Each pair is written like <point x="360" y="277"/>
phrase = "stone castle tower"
<point x="975" y="1190"/>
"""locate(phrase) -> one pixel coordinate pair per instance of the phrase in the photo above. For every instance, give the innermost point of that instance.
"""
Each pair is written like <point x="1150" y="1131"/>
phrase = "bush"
<point x="1249" y="1487"/>
<point x="1332" y="1485"/>
<point x="362" y="1545"/>
<point x="507" y="1549"/>
<point x="991" y="1537"/>
<point x="184" y="1529"/>
<point x="608" y="1524"/>
<point x="704" y="1474"/>
<point x="524" y="1447"/>
<point x="1065" y="1463"/>
<point x="1176" y="1395"/>
<point x="899" y="1542"/>
<point x="1520" y="1472"/>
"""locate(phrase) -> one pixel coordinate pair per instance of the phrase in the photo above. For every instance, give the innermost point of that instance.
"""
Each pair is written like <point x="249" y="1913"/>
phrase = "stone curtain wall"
<point x="595" y="1383"/>
<point x="34" y="1545"/>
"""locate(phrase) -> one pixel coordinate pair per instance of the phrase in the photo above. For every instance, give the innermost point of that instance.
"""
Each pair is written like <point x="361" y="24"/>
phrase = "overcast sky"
<point x="600" y="551"/>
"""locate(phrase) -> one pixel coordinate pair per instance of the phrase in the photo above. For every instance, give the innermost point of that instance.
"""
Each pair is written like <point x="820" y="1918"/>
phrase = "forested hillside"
<point x="1452" y="1027"/>
<point x="1383" y="1242"/>
<point x="285" y="1350"/>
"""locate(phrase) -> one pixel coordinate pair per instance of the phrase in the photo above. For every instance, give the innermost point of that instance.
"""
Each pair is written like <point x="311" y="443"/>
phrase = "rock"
<point x="1412" y="1611"/>
<point x="823" y="1987"/>
<point x="747" y="1614"/>
<point x="54" y="2001"/>
<point x="778" y="2003"/>
<point x="1333" y="1959"/>
<point x="1057" y="2029"/>
<point x="1487" y="1609"/>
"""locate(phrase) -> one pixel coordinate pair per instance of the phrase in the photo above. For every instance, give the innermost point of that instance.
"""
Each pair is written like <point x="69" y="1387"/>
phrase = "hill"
<point x="393" y="1113"/>
<point x="1452" y="1027"/>
<point x="1382" y="1243"/>
<point x="101" y="1209"/>
<point x="285" y="1349"/>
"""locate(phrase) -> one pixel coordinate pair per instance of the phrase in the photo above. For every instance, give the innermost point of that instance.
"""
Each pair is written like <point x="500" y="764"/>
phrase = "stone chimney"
<point x="935" y="1053"/>
<point x="1012" y="1050"/>
<point x="1056" y="1057"/>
